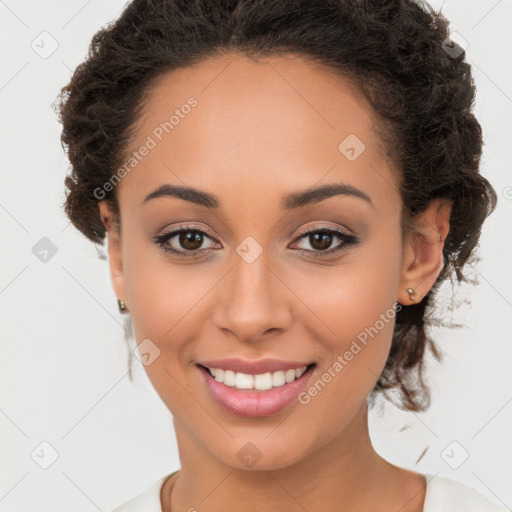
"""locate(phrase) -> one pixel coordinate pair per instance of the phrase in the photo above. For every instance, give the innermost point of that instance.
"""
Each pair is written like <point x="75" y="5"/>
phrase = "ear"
<point x="114" y="251"/>
<point x="423" y="251"/>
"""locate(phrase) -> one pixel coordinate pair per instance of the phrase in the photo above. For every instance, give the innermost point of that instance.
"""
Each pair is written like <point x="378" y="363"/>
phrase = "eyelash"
<point x="348" y="240"/>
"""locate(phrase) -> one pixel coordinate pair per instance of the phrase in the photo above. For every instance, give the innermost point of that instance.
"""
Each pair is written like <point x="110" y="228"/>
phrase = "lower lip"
<point x="252" y="404"/>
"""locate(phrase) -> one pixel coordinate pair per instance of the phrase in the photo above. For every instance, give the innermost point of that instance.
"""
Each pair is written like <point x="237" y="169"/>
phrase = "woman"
<point x="283" y="187"/>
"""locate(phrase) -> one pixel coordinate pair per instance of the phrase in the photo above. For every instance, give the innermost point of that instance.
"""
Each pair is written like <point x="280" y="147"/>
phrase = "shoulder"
<point x="146" y="501"/>
<point x="446" y="495"/>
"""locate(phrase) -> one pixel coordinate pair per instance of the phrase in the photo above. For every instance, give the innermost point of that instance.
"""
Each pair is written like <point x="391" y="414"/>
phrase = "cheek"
<point x="351" y="311"/>
<point x="354" y="317"/>
<point x="165" y="302"/>
<point x="165" y="299"/>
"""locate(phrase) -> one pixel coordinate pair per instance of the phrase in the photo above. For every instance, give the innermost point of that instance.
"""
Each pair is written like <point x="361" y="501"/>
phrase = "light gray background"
<point x="64" y="361"/>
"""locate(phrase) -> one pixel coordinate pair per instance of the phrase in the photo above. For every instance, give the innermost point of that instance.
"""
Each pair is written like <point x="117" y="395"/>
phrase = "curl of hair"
<point x="392" y="49"/>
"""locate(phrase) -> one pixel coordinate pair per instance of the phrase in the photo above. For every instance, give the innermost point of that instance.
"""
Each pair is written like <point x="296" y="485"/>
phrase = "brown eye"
<point x="321" y="239"/>
<point x="190" y="240"/>
<point x="184" y="241"/>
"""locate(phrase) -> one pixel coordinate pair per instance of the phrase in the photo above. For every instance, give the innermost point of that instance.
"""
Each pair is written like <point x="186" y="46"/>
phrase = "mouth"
<point x="256" y="382"/>
<point x="255" y="395"/>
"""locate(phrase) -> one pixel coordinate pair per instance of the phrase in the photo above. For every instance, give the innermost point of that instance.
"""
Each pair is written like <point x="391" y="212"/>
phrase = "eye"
<point x="322" y="238"/>
<point x="190" y="239"/>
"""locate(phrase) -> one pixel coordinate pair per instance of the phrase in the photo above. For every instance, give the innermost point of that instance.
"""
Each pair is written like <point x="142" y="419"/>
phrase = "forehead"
<point x="281" y="123"/>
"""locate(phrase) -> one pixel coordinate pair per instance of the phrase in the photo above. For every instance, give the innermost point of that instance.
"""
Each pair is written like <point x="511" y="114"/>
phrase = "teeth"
<point x="261" y="382"/>
<point x="299" y="372"/>
<point x="244" y="381"/>
<point x="289" y="375"/>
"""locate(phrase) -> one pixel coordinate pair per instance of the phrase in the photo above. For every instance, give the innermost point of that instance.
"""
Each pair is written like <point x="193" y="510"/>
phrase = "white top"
<point x="442" y="495"/>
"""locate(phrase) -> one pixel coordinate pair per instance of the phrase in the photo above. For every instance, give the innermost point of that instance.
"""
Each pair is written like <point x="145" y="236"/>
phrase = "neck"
<point x="346" y="471"/>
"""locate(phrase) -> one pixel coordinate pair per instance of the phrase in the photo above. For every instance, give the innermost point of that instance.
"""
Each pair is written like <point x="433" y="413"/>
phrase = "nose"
<point x="253" y="301"/>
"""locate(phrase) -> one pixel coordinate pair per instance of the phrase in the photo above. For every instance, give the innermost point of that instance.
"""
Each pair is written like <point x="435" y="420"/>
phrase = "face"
<point x="256" y="273"/>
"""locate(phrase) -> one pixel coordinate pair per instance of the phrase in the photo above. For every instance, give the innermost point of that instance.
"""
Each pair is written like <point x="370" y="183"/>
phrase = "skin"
<point x="261" y="130"/>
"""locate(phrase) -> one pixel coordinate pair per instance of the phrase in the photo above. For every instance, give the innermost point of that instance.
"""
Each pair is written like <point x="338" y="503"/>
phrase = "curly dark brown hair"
<point x="397" y="51"/>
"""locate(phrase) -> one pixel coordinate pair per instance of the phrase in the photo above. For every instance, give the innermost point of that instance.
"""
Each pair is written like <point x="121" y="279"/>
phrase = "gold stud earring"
<point x="121" y="305"/>
<point x="411" y="293"/>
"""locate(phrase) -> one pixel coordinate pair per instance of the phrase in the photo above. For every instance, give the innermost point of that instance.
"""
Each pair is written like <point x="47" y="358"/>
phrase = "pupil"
<point x="191" y="237"/>
<point x="325" y="240"/>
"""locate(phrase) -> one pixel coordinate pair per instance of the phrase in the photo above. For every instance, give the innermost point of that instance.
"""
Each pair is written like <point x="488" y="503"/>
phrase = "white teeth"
<point x="229" y="378"/>
<point x="278" y="379"/>
<point x="289" y="375"/>
<point x="244" y="381"/>
<point x="299" y="372"/>
<point x="261" y="382"/>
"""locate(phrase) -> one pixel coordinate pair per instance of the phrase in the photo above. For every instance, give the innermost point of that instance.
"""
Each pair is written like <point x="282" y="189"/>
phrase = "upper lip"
<point x="254" y="367"/>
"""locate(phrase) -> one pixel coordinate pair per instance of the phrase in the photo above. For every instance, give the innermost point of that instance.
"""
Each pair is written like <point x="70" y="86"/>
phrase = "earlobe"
<point x="423" y="257"/>
<point x="114" y="255"/>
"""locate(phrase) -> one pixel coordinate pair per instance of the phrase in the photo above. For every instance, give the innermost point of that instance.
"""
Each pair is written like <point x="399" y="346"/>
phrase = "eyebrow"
<point x="289" y="202"/>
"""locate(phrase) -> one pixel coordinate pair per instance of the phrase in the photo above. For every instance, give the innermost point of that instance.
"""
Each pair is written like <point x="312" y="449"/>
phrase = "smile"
<point x="261" y="382"/>
<point x="255" y="395"/>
